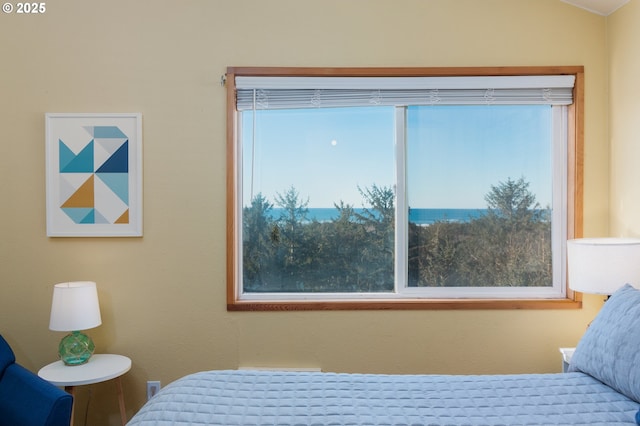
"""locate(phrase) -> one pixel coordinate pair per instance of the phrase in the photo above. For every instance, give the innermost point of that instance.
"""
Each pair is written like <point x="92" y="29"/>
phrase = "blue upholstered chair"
<point x="26" y="399"/>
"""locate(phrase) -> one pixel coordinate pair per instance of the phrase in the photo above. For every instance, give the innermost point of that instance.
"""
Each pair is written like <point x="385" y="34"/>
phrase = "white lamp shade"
<point x="75" y="306"/>
<point x="603" y="265"/>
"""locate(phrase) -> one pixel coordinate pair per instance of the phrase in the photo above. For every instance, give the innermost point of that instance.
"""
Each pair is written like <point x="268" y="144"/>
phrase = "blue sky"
<point x="454" y="156"/>
<point x="473" y="148"/>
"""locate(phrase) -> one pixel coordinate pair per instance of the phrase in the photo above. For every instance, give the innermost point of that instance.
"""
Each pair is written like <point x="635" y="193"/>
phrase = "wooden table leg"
<point x="123" y="413"/>
<point x="71" y="390"/>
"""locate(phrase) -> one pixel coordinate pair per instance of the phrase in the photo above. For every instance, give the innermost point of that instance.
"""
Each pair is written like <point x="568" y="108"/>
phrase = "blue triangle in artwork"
<point x="98" y="218"/>
<point x="90" y="217"/>
<point x="81" y="163"/>
<point x="118" y="183"/>
<point x="108" y="132"/>
<point x="65" y="155"/>
<point x="118" y="162"/>
<point x="79" y="215"/>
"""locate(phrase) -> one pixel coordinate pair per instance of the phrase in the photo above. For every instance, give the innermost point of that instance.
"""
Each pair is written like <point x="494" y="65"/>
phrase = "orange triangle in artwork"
<point x="83" y="197"/>
<point x="124" y="218"/>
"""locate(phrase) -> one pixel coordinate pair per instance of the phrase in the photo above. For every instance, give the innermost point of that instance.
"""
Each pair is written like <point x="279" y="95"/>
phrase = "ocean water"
<point x="429" y="216"/>
<point x="417" y="216"/>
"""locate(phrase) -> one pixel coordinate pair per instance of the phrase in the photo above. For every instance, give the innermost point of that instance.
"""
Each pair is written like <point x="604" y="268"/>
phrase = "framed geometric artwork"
<point x="94" y="175"/>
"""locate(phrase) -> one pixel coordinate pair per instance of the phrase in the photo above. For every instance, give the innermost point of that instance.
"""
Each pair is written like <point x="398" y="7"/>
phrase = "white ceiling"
<point x="601" y="7"/>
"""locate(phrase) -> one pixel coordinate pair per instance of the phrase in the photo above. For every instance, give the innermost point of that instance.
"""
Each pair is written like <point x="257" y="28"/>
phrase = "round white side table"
<point x="99" y="368"/>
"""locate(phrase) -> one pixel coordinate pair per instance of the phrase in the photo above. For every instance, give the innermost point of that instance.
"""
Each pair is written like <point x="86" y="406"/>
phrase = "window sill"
<point x="430" y="304"/>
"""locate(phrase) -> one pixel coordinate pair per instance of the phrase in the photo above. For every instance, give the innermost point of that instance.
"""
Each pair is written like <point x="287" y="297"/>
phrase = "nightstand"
<point x="99" y="368"/>
<point x="567" y="353"/>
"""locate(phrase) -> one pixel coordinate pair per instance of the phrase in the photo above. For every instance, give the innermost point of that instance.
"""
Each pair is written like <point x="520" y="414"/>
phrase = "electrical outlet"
<point x="153" y="387"/>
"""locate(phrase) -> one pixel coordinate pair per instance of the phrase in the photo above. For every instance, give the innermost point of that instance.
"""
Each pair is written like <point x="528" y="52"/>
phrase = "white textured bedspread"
<point x="234" y="398"/>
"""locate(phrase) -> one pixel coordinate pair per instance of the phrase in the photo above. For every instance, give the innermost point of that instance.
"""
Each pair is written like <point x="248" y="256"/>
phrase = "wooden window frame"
<point x="575" y="189"/>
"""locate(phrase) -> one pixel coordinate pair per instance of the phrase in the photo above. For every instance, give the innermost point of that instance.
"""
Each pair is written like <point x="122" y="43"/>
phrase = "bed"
<point x="602" y="387"/>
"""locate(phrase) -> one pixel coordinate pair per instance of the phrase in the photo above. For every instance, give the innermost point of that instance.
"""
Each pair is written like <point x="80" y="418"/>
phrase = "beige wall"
<point x="163" y="295"/>
<point x="624" y="68"/>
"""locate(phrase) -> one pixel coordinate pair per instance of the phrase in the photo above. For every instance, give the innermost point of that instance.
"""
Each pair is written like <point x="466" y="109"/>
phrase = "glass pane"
<point x="318" y="200"/>
<point x="479" y="183"/>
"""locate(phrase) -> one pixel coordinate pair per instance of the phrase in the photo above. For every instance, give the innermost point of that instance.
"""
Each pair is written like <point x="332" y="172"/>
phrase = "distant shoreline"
<point x="421" y="217"/>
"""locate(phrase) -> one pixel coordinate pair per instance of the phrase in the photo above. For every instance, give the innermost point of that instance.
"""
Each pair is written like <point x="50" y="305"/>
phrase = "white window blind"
<point x="325" y="92"/>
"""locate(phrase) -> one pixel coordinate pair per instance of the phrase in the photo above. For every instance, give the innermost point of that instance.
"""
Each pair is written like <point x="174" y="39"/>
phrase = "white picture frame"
<point x="93" y="174"/>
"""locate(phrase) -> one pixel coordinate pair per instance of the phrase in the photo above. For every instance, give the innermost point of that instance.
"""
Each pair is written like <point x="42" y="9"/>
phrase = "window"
<point x="402" y="188"/>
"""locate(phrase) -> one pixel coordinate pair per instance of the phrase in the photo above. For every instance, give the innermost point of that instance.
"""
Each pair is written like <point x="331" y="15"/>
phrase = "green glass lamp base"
<point x="76" y="348"/>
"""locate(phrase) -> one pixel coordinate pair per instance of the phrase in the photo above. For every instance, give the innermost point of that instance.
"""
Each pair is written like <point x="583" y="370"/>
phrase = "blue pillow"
<point x="610" y="348"/>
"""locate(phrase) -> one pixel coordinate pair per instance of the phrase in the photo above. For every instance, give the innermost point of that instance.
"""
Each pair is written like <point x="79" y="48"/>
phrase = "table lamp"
<point x="603" y="265"/>
<point x="75" y="307"/>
